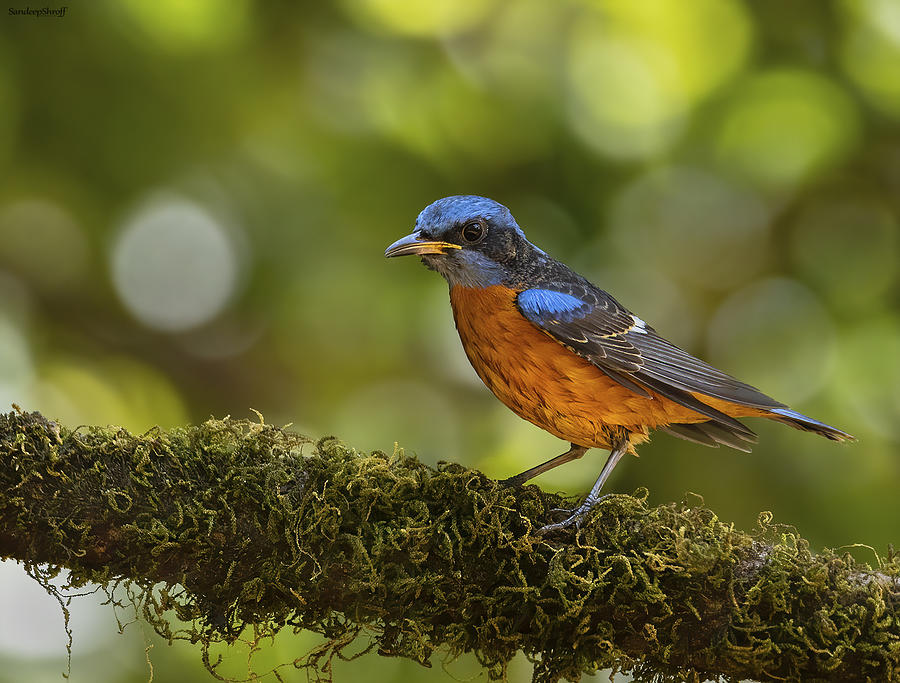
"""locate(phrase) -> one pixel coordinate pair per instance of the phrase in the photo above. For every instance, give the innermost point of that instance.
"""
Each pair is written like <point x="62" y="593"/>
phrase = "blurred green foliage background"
<point x="196" y="196"/>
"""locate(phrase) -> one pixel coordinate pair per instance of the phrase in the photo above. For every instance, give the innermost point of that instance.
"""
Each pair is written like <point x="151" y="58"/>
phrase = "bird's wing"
<point x="592" y="324"/>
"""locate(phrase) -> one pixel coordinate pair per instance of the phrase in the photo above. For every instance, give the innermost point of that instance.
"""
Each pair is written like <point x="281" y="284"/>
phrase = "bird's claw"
<point x="575" y="516"/>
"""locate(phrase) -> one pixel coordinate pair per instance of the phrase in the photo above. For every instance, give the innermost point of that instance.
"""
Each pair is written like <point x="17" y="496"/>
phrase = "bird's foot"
<point x="575" y="516"/>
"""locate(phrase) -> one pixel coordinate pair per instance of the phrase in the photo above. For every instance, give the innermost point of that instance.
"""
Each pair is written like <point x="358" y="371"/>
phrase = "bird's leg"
<point x="573" y="453"/>
<point x="593" y="497"/>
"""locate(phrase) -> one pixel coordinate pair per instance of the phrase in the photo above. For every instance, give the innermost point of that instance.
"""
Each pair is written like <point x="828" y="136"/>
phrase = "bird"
<point x="565" y="355"/>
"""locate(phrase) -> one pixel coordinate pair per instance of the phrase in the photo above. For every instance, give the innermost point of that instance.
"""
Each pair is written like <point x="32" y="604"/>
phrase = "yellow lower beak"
<point x="411" y="244"/>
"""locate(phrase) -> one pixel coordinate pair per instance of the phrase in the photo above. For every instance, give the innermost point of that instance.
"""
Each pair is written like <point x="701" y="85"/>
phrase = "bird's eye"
<point x="474" y="231"/>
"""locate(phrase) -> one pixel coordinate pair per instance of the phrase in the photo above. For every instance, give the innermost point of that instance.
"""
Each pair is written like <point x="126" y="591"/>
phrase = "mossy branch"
<point x="233" y="524"/>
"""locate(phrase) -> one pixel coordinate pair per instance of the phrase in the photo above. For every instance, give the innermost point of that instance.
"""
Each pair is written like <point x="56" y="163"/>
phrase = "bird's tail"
<point x="807" y="424"/>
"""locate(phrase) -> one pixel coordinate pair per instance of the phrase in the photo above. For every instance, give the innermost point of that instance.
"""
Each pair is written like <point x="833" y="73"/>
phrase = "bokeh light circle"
<point x="197" y="25"/>
<point x="174" y="265"/>
<point x="775" y="335"/>
<point x="636" y="69"/>
<point x="881" y="15"/>
<point x="784" y="125"/>
<point x="707" y="42"/>
<point x="692" y="225"/>
<point x="619" y="100"/>
<point x="431" y="109"/>
<point x="869" y="373"/>
<point x="849" y="248"/>
<point x="41" y="241"/>
<point x="415" y="18"/>
<point x="872" y="59"/>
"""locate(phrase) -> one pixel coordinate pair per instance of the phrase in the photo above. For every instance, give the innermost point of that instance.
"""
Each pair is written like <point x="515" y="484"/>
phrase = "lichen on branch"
<point x="231" y="525"/>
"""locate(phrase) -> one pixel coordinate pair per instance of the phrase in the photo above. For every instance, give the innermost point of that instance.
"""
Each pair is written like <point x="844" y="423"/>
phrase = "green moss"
<point x="233" y="525"/>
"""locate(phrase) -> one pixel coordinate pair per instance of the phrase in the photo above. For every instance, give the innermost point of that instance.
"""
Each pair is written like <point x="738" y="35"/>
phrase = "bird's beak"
<point x="414" y="244"/>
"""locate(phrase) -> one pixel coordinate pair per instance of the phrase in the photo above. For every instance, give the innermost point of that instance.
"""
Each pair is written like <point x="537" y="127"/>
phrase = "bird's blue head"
<point x="472" y="241"/>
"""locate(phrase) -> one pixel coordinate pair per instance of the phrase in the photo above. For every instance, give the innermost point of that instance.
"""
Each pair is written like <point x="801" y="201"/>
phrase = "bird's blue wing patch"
<point x="545" y="305"/>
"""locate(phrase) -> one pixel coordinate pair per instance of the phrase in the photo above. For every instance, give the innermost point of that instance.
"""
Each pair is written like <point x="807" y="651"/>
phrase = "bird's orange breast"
<point x="547" y="384"/>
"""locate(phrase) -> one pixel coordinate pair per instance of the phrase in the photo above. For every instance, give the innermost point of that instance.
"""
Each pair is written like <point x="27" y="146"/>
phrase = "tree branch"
<point x="231" y="524"/>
